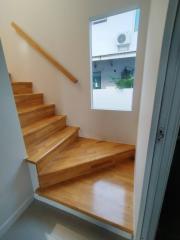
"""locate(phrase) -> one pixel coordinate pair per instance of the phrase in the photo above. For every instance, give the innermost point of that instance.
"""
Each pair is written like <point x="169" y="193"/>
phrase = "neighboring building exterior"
<point x="107" y="72"/>
<point x="108" y="35"/>
<point x="114" y="43"/>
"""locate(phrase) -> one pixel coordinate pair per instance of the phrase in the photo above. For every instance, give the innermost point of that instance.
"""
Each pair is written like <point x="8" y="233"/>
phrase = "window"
<point x="113" y="56"/>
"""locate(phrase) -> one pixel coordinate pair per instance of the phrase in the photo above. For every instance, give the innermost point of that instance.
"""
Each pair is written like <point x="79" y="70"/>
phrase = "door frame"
<point x="166" y="118"/>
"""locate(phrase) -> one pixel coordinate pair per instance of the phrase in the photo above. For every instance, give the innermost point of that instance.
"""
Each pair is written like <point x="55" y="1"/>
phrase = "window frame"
<point x="99" y="18"/>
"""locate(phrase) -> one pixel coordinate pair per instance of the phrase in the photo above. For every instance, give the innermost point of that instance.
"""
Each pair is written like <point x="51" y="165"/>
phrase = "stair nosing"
<point x="18" y="83"/>
<point x="28" y="94"/>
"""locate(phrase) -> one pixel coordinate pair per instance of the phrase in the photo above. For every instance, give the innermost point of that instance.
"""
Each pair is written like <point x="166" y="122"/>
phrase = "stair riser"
<point x="51" y="155"/>
<point x="43" y="133"/>
<point x="23" y="101"/>
<point x="80" y="170"/>
<point x="33" y="116"/>
<point x="22" y="88"/>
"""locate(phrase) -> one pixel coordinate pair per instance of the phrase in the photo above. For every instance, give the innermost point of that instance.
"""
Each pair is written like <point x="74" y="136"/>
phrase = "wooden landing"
<point x="82" y="157"/>
<point x="106" y="195"/>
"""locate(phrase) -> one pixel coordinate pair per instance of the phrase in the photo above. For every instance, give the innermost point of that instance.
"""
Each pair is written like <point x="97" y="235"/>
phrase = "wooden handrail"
<point x="45" y="54"/>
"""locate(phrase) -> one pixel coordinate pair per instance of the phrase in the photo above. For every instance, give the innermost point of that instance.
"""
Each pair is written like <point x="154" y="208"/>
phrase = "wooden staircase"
<point x="92" y="176"/>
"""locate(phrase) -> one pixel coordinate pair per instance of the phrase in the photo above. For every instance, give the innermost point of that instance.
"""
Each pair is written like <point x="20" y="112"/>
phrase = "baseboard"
<point x="12" y="219"/>
<point x="85" y="217"/>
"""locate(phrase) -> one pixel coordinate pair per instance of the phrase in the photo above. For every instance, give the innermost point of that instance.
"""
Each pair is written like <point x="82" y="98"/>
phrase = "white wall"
<point x="156" y="25"/>
<point x="15" y="184"/>
<point x="105" y="34"/>
<point x="62" y="28"/>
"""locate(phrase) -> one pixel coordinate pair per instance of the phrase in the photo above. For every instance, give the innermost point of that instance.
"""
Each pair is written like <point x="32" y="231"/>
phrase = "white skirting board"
<point x="83" y="216"/>
<point x="12" y="219"/>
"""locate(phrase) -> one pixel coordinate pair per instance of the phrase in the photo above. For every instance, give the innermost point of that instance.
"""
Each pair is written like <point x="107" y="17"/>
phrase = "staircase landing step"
<point x="106" y="195"/>
<point x="82" y="157"/>
<point x="85" y="150"/>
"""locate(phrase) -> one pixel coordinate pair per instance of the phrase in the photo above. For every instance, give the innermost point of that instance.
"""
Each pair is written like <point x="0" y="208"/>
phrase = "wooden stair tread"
<point x="30" y="115"/>
<point x="26" y="99"/>
<point x="37" y="151"/>
<point x="106" y="195"/>
<point x="41" y="124"/>
<point x="21" y="83"/>
<point x="84" y="150"/>
<point x="34" y="108"/>
<point x="21" y="87"/>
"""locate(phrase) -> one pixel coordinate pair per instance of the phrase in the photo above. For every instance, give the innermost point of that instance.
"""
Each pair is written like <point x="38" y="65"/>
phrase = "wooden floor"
<point x="106" y="195"/>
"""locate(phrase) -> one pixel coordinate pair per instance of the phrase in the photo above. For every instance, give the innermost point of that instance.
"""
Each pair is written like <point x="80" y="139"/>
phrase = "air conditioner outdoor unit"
<point x="123" y="39"/>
